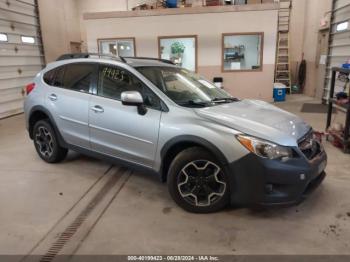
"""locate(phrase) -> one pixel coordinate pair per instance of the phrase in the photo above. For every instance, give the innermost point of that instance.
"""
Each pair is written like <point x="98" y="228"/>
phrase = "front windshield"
<point x="184" y="87"/>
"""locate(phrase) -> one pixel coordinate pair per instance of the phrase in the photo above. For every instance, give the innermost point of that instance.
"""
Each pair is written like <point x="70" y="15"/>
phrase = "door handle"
<point x="53" y="97"/>
<point x="97" y="109"/>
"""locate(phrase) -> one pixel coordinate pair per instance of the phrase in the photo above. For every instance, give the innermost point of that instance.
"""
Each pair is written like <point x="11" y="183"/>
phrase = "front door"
<point x="118" y="130"/>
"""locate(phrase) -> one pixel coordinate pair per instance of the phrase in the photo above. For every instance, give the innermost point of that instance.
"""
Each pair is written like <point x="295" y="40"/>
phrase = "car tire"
<point x="46" y="143"/>
<point x="192" y="175"/>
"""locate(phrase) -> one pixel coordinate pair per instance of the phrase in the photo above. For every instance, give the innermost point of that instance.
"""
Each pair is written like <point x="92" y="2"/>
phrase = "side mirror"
<point x="134" y="98"/>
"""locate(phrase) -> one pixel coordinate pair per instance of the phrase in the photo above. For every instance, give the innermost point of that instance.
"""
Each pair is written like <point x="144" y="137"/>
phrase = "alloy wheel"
<point x="45" y="142"/>
<point x="201" y="183"/>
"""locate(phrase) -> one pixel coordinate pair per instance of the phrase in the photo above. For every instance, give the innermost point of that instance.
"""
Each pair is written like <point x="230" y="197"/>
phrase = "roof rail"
<point x="87" y="55"/>
<point x="118" y="58"/>
<point x="148" y="58"/>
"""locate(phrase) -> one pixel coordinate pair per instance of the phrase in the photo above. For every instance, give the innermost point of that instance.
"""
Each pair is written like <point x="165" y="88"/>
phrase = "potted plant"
<point x="177" y="49"/>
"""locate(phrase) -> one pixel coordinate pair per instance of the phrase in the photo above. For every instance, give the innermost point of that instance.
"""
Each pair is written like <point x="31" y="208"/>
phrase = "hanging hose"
<point x="302" y="74"/>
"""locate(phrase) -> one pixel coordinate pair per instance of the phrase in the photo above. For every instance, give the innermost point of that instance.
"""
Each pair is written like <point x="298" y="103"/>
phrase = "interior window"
<point x="114" y="80"/>
<point x="242" y="51"/>
<point x="118" y="47"/>
<point x="78" y="77"/>
<point x="180" y="50"/>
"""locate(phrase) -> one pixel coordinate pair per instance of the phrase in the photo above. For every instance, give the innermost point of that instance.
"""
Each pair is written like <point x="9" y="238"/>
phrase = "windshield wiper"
<point x="224" y="100"/>
<point x="195" y="103"/>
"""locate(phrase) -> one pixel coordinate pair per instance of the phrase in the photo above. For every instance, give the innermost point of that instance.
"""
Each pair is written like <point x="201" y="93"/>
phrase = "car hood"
<point x="259" y="119"/>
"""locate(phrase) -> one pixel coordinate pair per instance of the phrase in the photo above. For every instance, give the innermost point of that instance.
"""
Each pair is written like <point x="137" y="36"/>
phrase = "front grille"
<point x="310" y="146"/>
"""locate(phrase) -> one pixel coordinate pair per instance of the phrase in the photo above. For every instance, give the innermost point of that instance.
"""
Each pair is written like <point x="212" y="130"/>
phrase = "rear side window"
<point x="78" y="77"/>
<point x="58" y="79"/>
<point x="49" y="77"/>
<point x="54" y="77"/>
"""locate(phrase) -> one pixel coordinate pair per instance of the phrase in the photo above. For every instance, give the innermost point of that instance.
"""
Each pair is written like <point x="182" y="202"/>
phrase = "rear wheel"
<point x="46" y="143"/>
<point x="197" y="182"/>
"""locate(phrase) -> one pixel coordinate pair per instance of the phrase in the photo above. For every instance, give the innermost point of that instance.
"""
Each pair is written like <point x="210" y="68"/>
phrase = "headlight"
<point x="265" y="149"/>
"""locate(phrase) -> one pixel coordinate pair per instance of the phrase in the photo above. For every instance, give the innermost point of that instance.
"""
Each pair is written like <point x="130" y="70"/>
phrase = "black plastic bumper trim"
<point x="258" y="181"/>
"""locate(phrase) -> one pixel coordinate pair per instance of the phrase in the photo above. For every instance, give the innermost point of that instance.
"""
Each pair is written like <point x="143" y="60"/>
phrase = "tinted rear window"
<point x="49" y="76"/>
<point x="54" y="77"/>
<point x="76" y="77"/>
<point x="58" y="79"/>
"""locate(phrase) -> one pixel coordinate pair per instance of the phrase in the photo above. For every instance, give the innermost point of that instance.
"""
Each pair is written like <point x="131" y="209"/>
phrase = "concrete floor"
<point x="124" y="212"/>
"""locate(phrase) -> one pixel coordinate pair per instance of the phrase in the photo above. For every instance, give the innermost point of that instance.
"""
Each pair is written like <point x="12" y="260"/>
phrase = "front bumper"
<point x="258" y="181"/>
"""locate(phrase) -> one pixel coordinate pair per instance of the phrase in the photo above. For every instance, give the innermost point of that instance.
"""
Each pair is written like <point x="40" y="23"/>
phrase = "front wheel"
<point x="46" y="143"/>
<point x="197" y="182"/>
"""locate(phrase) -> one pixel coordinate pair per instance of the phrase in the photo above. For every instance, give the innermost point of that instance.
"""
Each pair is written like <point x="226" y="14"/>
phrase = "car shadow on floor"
<point x="144" y="177"/>
<point x="74" y="156"/>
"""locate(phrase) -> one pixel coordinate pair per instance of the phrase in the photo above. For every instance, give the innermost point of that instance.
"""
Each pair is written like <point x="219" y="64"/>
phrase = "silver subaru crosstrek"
<point x="211" y="148"/>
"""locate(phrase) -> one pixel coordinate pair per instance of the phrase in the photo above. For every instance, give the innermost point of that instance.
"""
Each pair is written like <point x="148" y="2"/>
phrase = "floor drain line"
<point x="75" y="204"/>
<point x="79" y="220"/>
<point x="102" y="213"/>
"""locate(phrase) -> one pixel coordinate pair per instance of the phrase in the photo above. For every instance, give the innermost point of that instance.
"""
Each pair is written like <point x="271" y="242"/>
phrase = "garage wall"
<point x="297" y="34"/>
<point x="88" y="6"/>
<point x="146" y="29"/>
<point x="339" y="45"/>
<point x="304" y="32"/>
<point x="19" y="62"/>
<point x="60" y="26"/>
<point x="85" y="6"/>
<point x="315" y="11"/>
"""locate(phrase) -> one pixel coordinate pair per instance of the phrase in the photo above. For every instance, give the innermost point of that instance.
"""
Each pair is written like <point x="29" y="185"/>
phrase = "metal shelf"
<point x="344" y="108"/>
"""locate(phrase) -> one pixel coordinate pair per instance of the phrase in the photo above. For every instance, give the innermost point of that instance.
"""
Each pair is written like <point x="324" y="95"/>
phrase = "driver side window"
<point x="115" y="80"/>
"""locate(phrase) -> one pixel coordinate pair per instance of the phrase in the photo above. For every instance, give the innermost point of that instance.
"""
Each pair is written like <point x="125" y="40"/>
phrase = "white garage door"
<point x="339" y="42"/>
<point x="21" y="52"/>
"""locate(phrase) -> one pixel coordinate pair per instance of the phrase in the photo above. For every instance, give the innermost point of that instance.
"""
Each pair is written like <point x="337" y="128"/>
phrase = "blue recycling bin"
<point x="171" y="3"/>
<point x="279" y="92"/>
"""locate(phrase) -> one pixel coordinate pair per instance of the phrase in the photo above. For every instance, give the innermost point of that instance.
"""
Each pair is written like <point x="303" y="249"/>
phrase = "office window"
<point x="242" y="52"/>
<point x="182" y="50"/>
<point x="118" y="46"/>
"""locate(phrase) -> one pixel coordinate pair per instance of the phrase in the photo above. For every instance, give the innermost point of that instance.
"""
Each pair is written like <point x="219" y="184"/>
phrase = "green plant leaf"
<point x="177" y="48"/>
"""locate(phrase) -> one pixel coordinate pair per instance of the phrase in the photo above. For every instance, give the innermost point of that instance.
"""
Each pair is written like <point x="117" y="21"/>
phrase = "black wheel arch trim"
<point x="42" y="109"/>
<point x="190" y="139"/>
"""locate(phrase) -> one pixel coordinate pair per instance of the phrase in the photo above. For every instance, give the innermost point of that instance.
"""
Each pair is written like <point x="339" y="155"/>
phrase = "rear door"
<point x="119" y="130"/>
<point x="68" y="100"/>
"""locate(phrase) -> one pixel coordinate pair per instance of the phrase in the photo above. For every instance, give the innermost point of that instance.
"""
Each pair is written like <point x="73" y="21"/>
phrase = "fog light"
<point x="302" y="176"/>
